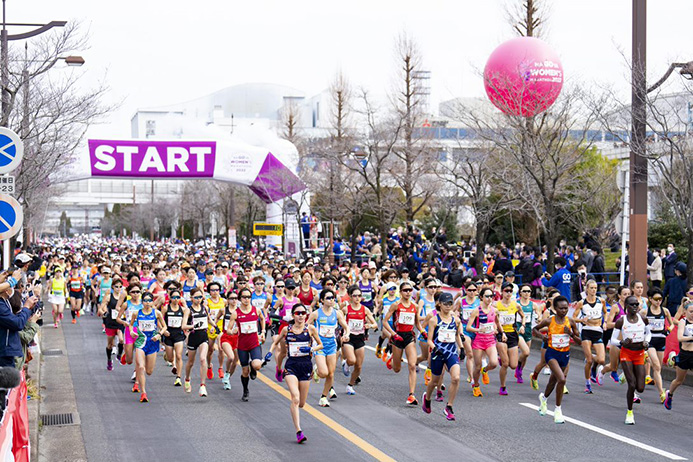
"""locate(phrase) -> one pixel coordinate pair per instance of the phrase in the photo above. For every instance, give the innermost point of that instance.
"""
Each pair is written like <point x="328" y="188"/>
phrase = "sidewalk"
<point x="57" y="443"/>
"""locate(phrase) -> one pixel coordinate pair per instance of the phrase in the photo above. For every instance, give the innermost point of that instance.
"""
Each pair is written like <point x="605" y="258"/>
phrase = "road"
<point x="374" y="424"/>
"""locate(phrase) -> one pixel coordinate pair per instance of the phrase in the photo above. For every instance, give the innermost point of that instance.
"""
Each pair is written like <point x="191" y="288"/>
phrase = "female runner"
<point x="198" y="321"/>
<point x="150" y="325"/>
<point x="176" y="314"/>
<point x="484" y="323"/>
<point x="109" y="313"/>
<point x="635" y="335"/>
<point x="591" y="312"/>
<point x="354" y="350"/>
<point x="658" y="318"/>
<point x="529" y="311"/>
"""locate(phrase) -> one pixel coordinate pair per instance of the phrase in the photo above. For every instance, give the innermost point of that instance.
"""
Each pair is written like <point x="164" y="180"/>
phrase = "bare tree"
<point x="527" y="17"/>
<point x="414" y="151"/>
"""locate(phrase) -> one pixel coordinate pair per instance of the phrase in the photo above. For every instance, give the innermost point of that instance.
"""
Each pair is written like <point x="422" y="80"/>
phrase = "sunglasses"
<point x="657" y="299"/>
<point x="329" y="284"/>
<point x="472" y="289"/>
<point x="447" y="303"/>
<point x="148" y="300"/>
<point x="197" y="297"/>
<point x="299" y="313"/>
<point x="244" y="297"/>
<point x="508" y="291"/>
<point x="117" y="287"/>
<point x="233" y="298"/>
<point x="279" y="287"/>
<point x="525" y="291"/>
<point x="392" y="288"/>
<point x="259" y="283"/>
<point x="136" y="292"/>
<point x="329" y="298"/>
<point x="406" y="290"/>
<point x="499" y="278"/>
<point x="214" y="290"/>
<point x="175" y="298"/>
<point x="355" y="295"/>
<point x="488" y="296"/>
<point x="431" y="287"/>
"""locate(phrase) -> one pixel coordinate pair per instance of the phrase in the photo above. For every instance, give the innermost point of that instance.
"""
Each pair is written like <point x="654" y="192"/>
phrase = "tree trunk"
<point x="689" y="239"/>
<point x="482" y="230"/>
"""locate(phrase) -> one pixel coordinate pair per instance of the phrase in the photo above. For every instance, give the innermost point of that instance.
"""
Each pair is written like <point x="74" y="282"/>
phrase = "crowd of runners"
<point x="214" y="313"/>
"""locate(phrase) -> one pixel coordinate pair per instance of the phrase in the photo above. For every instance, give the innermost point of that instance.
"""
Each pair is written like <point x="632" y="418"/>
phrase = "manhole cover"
<point x="52" y="352"/>
<point x="57" y="419"/>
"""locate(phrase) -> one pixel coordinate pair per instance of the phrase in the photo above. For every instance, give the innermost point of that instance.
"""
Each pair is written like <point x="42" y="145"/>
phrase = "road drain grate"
<point x="57" y="419"/>
<point x="52" y="352"/>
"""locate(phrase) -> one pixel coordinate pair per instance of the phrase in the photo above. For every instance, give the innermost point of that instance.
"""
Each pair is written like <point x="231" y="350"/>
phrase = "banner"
<point x="14" y="428"/>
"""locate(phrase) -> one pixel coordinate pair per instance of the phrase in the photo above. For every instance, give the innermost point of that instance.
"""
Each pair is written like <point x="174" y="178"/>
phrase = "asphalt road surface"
<point x="374" y="424"/>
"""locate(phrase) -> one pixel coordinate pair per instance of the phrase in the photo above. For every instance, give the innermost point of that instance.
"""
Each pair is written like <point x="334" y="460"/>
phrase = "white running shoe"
<point x="630" y="418"/>
<point x="542" y="404"/>
<point x="346" y="370"/>
<point x="558" y="415"/>
<point x="546" y="371"/>
<point x="350" y="390"/>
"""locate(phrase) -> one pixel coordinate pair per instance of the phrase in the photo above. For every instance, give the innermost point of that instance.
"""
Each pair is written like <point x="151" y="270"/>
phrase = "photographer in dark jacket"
<point x="11" y="324"/>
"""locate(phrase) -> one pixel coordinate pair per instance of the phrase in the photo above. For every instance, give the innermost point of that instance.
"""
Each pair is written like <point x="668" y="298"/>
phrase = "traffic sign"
<point x="268" y="229"/>
<point x="11" y="216"/>
<point x="11" y="150"/>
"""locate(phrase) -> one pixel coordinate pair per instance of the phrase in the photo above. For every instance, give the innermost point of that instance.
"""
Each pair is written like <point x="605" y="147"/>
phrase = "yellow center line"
<point x="350" y="436"/>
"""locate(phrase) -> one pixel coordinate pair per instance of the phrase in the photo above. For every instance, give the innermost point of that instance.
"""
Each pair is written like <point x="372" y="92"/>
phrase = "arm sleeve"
<point x="11" y="321"/>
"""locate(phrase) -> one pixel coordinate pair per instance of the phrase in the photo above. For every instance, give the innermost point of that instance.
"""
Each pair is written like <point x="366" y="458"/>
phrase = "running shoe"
<point x="143" y="398"/>
<point x="593" y="374"/>
<point x="542" y="404"/>
<point x="300" y="437"/>
<point x="385" y="356"/>
<point x="426" y="406"/>
<point x="469" y="379"/>
<point x="350" y="390"/>
<point x="565" y="390"/>
<point x="55" y="324"/>
<point x="518" y="375"/>
<point x="648" y="380"/>
<point x="667" y="400"/>
<point x="226" y="381"/>
<point x="378" y="351"/>
<point x="169" y="363"/>
<point x="252" y="373"/>
<point x="484" y="377"/>
<point x="546" y="371"/>
<point x="662" y="397"/>
<point x="503" y="391"/>
<point x="109" y="365"/>
<point x="449" y="414"/>
<point x="671" y="359"/>
<point x="358" y="380"/>
<point x="245" y="396"/>
<point x="636" y="399"/>
<point x="346" y="370"/>
<point x="411" y="400"/>
<point x="614" y="376"/>
<point x="316" y="377"/>
<point x="332" y="394"/>
<point x="210" y="373"/>
<point x="476" y="391"/>
<point x="439" y="396"/>
<point x="558" y="416"/>
<point x="134" y="376"/>
<point x="188" y="387"/>
<point x="588" y="388"/>
<point x="203" y="390"/>
<point x="442" y="387"/>
<point x="123" y="360"/>
<point x="174" y="370"/>
<point x="630" y="419"/>
<point x="622" y="378"/>
<point x="177" y="382"/>
<point x="427" y="376"/>
<point x="135" y="388"/>
<point x="220" y="373"/>
<point x="389" y="363"/>
<point x="533" y="380"/>
<point x="278" y="374"/>
<point x="323" y="402"/>
<point x="600" y="375"/>
<point x="74" y="321"/>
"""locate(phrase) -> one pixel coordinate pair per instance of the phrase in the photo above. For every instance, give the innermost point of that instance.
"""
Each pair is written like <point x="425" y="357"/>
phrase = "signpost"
<point x="11" y="214"/>
<point x="268" y="229"/>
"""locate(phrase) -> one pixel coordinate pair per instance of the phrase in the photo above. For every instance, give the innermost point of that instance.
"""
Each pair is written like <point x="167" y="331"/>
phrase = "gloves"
<point x="304" y="349"/>
<point x="424" y="334"/>
<point x="268" y="356"/>
<point x="397" y="338"/>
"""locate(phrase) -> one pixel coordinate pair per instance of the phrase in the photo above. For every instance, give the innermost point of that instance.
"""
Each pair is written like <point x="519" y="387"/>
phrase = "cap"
<point x="510" y="274"/>
<point x="372" y="265"/>
<point x="445" y="297"/>
<point x="390" y="285"/>
<point x="506" y="284"/>
<point x="22" y="259"/>
<point x="290" y="284"/>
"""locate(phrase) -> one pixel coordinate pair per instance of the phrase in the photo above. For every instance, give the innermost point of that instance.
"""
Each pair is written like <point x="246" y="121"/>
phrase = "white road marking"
<point x="613" y="435"/>
<point x="421" y="366"/>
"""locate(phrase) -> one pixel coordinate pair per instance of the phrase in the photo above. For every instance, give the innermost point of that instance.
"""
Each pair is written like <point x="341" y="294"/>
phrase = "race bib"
<point x="200" y="323"/>
<point x="688" y="331"/>
<point x="656" y="324"/>
<point x="486" y="327"/>
<point x="327" y="331"/>
<point x="287" y="316"/>
<point x="592" y="313"/>
<point x="186" y="296"/>
<point x="507" y="319"/>
<point x="147" y="325"/>
<point x="560" y="340"/>
<point x="446" y="335"/>
<point x="258" y="302"/>
<point x="638" y="336"/>
<point x="367" y="296"/>
<point x="466" y="312"/>
<point x="249" y="327"/>
<point x="406" y="318"/>
<point x="75" y="285"/>
<point x="114" y="314"/>
<point x="295" y="348"/>
<point x="175" y="321"/>
<point x="356" y="326"/>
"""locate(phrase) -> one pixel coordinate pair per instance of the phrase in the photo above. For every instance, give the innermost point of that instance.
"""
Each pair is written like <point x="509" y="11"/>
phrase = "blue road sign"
<point x="11" y="216"/>
<point x="11" y="150"/>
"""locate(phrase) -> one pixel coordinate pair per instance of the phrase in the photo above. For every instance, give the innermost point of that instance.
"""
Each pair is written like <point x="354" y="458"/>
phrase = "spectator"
<point x="11" y="324"/>
<point x="655" y="269"/>
<point x="26" y="336"/>
<point x="588" y="257"/>
<point x="560" y="280"/>
<point x="305" y="228"/>
<point x="670" y="262"/>
<point x="675" y="288"/>
<point x="598" y="267"/>
<point x="577" y="286"/>
<point x="503" y="264"/>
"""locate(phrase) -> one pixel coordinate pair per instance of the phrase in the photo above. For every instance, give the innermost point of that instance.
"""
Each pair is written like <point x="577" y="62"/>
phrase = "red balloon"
<point x="523" y="76"/>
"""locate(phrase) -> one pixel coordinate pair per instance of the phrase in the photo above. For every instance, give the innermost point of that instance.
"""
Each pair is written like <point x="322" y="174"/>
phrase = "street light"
<point x="74" y="61"/>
